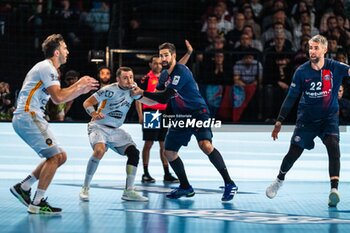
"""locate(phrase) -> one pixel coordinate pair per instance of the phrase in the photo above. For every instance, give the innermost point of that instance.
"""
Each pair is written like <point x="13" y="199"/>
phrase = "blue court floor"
<point x="252" y="159"/>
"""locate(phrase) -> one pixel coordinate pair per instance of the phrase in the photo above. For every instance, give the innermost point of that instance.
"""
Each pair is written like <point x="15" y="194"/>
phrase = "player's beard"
<point x="166" y="65"/>
<point x="314" y="60"/>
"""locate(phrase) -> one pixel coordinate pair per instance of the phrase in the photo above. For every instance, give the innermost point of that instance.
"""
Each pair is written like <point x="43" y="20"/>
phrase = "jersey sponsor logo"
<point x="297" y="138"/>
<point x="293" y="85"/>
<point x="116" y="114"/>
<point x="45" y="91"/>
<point x="49" y="141"/>
<point x="53" y="77"/>
<point x="106" y="93"/>
<point x="176" y="80"/>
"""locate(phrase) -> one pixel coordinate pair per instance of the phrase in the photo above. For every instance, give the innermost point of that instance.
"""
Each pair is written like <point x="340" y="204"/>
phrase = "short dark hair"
<point x="169" y="46"/>
<point x="103" y="68"/>
<point x="152" y="57"/>
<point x="123" y="69"/>
<point x="50" y="44"/>
<point x="72" y="74"/>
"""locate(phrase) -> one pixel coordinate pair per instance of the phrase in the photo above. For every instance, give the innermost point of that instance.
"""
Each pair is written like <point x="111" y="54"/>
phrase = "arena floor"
<point x="252" y="158"/>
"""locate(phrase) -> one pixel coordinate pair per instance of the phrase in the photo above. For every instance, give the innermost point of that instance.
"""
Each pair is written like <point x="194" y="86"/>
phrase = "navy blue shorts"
<point x="177" y="137"/>
<point x="154" y="134"/>
<point x="305" y="133"/>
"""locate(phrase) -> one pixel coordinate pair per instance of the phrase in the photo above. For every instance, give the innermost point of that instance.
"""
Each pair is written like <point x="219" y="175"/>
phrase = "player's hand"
<point x="136" y="91"/>
<point x="97" y="116"/>
<point x="86" y="84"/>
<point x="189" y="47"/>
<point x="276" y="130"/>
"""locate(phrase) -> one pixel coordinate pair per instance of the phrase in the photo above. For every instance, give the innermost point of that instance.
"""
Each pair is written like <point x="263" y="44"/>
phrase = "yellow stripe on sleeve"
<point x="31" y="94"/>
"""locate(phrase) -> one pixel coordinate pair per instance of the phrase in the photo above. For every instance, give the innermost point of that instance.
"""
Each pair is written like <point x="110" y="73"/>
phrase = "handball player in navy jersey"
<point x="177" y="86"/>
<point x="317" y="81"/>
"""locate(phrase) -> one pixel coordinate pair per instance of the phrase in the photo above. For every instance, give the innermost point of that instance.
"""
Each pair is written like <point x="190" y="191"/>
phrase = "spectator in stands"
<point x="257" y="7"/>
<point x="74" y="110"/>
<point x="301" y="55"/>
<point x="244" y="47"/>
<point x="247" y="73"/>
<point x="104" y="75"/>
<point x="278" y="71"/>
<point x="66" y="19"/>
<point x="234" y="35"/>
<point x="98" y="20"/>
<point x="248" y="30"/>
<point x="224" y="19"/>
<point x="6" y="102"/>
<point x="251" y="20"/>
<point x="344" y="107"/>
<point x="303" y="20"/>
<point x="300" y="7"/>
<point x="332" y="47"/>
<point x="268" y="36"/>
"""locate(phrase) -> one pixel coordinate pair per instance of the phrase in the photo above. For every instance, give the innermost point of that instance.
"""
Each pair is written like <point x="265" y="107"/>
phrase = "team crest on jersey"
<point x="49" y="141"/>
<point x="297" y="138"/>
<point x="176" y="80"/>
<point x="327" y="77"/>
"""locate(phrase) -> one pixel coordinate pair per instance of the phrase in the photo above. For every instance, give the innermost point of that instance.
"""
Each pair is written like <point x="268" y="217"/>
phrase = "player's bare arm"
<point x="82" y="86"/>
<point x="89" y="104"/>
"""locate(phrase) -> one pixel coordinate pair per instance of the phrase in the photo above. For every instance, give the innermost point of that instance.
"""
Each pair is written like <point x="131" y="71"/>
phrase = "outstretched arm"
<point x="159" y="96"/>
<point x="187" y="55"/>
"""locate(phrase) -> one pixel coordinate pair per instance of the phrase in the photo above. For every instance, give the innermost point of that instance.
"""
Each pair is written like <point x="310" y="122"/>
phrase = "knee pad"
<point x="133" y="155"/>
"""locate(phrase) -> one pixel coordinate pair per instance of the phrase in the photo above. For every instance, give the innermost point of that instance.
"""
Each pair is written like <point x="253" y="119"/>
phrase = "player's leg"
<point x="35" y="131"/>
<point x="332" y="144"/>
<point x="129" y="193"/>
<point x="168" y="177"/>
<point x="97" y="155"/>
<point x="48" y="170"/>
<point x="217" y="160"/>
<point x="287" y="163"/>
<point x="146" y="177"/>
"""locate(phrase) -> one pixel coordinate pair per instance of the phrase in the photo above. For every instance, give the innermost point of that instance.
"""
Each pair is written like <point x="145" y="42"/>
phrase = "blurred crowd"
<point x="245" y="50"/>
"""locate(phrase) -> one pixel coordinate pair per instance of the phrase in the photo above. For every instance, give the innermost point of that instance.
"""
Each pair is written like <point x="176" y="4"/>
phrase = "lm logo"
<point x="151" y="120"/>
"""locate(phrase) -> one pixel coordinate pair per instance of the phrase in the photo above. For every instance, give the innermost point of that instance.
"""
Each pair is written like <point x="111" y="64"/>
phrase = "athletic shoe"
<point x="272" y="190"/>
<point x="333" y="198"/>
<point x="170" y="179"/>
<point x="230" y="191"/>
<point x="84" y="194"/>
<point x="179" y="192"/>
<point x="22" y="195"/>
<point x="132" y="195"/>
<point x="43" y="208"/>
<point x="147" y="179"/>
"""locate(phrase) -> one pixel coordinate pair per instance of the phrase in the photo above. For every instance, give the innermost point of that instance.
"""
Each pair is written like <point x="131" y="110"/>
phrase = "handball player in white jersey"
<point x="41" y="83"/>
<point x="114" y="102"/>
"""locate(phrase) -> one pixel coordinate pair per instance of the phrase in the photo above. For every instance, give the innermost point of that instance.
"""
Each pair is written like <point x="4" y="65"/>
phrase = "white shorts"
<point x="115" y="138"/>
<point x="35" y="131"/>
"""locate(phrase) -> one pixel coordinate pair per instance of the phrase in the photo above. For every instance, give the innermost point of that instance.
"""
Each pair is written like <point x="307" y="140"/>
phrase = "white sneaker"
<point x="333" y="198"/>
<point x="84" y="194"/>
<point x="272" y="190"/>
<point x="132" y="195"/>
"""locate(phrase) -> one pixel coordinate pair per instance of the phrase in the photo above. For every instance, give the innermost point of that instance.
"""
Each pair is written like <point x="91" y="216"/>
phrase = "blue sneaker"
<point x="179" y="192"/>
<point x="229" y="193"/>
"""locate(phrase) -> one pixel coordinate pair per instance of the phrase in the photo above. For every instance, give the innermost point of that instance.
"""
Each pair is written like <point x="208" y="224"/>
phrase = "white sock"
<point x="90" y="170"/>
<point x="39" y="194"/>
<point x="130" y="176"/>
<point x="27" y="183"/>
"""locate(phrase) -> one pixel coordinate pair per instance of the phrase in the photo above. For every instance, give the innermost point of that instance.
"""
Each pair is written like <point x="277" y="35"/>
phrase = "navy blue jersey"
<point x="319" y="89"/>
<point x="187" y="98"/>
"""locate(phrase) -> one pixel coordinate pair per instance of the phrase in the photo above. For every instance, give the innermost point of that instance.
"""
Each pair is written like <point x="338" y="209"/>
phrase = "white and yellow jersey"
<point x="114" y="103"/>
<point x="33" y="95"/>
